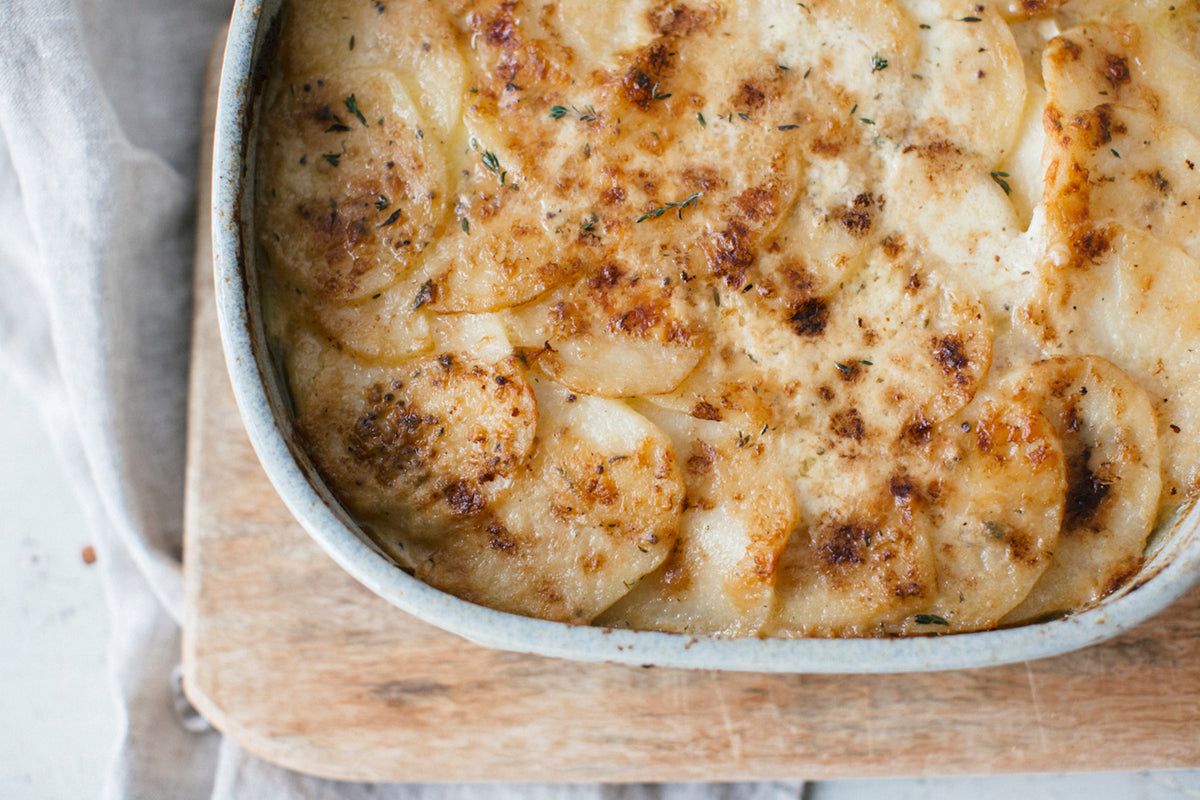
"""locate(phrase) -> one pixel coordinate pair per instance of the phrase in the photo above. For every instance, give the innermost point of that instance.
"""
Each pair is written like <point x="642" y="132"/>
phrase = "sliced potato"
<point x="355" y="194"/>
<point x="726" y="385"/>
<point x="893" y="348"/>
<point x="390" y="325"/>
<point x="1136" y="305"/>
<point x="970" y="71"/>
<point x="433" y="439"/>
<point x="597" y="509"/>
<point x="1120" y="63"/>
<point x="597" y="36"/>
<point x="857" y="566"/>
<point x="740" y="510"/>
<point x="993" y="499"/>
<point x="898" y="347"/>
<point x="950" y="531"/>
<point x="1116" y="164"/>
<point x="952" y="208"/>
<point x="1107" y="426"/>
<point x="626" y="329"/>
<point x="502" y="251"/>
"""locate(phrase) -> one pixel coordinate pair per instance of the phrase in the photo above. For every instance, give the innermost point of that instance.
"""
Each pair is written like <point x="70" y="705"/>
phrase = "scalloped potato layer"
<point x="758" y="318"/>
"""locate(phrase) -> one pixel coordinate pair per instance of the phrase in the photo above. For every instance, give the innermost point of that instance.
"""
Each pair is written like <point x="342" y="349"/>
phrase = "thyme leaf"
<point x="588" y="114"/>
<point x="878" y="63"/>
<point x="352" y="106"/>
<point x="493" y="165"/>
<point x="678" y="207"/>
<point x="999" y="177"/>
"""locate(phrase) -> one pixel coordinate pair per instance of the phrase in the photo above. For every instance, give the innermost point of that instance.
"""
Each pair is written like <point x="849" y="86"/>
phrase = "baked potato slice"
<point x="597" y="509"/>
<point x="1109" y="433"/>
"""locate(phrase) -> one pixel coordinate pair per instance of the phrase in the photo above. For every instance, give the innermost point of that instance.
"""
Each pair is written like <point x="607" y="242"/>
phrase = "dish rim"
<point x="1173" y="569"/>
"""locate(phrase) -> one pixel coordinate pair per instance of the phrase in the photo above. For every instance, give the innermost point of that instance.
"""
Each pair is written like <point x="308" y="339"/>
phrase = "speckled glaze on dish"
<point x="1172" y="566"/>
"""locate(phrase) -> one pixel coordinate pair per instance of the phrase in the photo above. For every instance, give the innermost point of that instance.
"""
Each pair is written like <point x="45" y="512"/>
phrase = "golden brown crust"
<point x="743" y="319"/>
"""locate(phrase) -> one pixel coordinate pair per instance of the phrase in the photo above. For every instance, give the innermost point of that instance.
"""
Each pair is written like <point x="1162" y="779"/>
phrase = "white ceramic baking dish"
<point x="1172" y="566"/>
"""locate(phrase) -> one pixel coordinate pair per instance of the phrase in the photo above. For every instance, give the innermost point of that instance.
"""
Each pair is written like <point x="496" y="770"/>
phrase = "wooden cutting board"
<point x="296" y="661"/>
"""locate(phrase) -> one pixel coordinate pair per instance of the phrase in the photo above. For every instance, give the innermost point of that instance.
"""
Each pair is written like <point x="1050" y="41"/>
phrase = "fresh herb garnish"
<point x="390" y="220"/>
<point x="466" y="226"/>
<point x="351" y="42"/>
<point x="352" y="106"/>
<point x="337" y="127"/>
<point x="381" y="203"/>
<point x="332" y="158"/>
<point x="678" y="207"/>
<point x="930" y="619"/>
<point x="842" y="367"/>
<point x="999" y="177"/>
<point x="656" y="95"/>
<point x="588" y="114"/>
<point x="866" y="121"/>
<point x="786" y="127"/>
<point x="971" y="19"/>
<point x="700" y="117"/>
<point x="493" y="164"/>
<point x="878" y="63"/>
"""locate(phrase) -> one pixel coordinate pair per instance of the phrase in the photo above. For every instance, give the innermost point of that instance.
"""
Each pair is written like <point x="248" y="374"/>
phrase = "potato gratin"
<point x="761" y="318"/>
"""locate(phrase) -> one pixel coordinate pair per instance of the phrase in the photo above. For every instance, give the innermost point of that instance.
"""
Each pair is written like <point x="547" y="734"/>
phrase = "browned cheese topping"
<point x="755" y="318"/>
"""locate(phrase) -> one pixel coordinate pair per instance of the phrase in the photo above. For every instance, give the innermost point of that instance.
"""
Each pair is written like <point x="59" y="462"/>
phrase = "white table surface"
<point x="58" y="724"/>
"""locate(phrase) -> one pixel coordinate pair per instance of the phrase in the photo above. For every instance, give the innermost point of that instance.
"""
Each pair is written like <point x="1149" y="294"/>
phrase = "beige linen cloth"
<point x="99" y="109"/>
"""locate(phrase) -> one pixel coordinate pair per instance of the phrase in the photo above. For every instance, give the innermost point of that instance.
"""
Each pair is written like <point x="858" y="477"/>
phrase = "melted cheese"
<point x="842" y="318"/>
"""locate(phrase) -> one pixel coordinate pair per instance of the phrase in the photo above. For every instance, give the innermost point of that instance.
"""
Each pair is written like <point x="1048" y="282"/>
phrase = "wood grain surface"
<point x="291" y="657"/>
